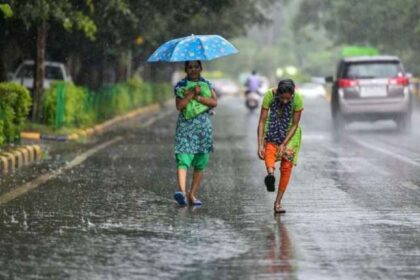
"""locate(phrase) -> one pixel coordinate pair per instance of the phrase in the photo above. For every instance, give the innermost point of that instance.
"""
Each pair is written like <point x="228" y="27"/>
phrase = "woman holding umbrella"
<point x="193" y="138"/>
<point x="194" y="98"/>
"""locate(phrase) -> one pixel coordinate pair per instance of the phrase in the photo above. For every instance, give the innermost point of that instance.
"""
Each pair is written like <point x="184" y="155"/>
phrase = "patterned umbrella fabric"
<point x="194" y="47"/>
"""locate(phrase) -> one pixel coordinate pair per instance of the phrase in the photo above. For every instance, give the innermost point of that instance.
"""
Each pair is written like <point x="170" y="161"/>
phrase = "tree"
<point x="156" y="21"/>
<point x="115" y="24"/>
<point x="39" y="15"/>
<point x="381" y="24"/>
<point x="6" y="10"/>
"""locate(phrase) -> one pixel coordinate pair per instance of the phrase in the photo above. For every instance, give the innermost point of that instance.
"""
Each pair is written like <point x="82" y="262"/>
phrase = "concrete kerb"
<point x="95" y="130"/>
<point x="4" y="165"/>
<point x="16" y="158"/>
<point x="11" y="163"/>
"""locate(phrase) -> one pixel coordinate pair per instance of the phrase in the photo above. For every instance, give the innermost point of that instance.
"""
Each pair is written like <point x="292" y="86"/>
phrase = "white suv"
<point x="54" y="71"/>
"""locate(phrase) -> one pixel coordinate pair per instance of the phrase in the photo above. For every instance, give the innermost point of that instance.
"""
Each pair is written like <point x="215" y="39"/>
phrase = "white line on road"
<point x="386" y="152"/>
<point x="5" y="198"/>
<point x="410" y="185"/>
<point x="359" y="163"/>
<point x="158" y="117"/>
<point x="21" y="190"/>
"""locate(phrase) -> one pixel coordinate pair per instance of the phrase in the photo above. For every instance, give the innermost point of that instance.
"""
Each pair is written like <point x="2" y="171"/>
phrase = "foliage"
<point x="82" y="107"/>
<point x="115" y="24"/>
<point x="111" y="28"/>
<point x="70" y="109"/>
<point x="65" y="12"/>
<point x="266" y="49"/>
<point x="382" y="24"/>
<point x="6" y="10"/>
<point x="15" y="103"/>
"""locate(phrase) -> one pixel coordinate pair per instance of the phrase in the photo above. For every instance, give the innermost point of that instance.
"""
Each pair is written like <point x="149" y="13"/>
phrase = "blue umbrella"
<point x="194" y="47"/>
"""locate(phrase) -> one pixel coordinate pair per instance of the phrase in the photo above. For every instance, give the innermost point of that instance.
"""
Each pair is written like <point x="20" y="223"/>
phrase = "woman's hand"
<point x="189" y="94"/>
<point x="197" y="90"/>
<point x="282" y="149"/>
<point x="182" y="103"/>
<point x="261" y="152"/>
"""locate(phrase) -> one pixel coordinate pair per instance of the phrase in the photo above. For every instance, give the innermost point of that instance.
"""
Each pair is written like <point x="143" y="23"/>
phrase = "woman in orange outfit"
<point x="279" y="135"/>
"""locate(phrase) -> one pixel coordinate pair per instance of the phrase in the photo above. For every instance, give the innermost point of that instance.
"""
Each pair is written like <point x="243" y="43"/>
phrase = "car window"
<point x="27" y="71"/>
<point x="53" y="73"/>
<point x="373" y="70"/>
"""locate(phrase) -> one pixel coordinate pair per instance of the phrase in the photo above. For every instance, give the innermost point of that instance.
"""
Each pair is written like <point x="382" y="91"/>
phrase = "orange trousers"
<point x="286" y="166"/>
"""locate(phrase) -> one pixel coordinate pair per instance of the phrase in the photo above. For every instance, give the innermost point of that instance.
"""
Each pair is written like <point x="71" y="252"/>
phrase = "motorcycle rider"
<point x="253" y="83"/>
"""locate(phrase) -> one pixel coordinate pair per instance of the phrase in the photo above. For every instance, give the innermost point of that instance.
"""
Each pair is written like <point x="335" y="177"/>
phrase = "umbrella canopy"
<point x="194" y="47"/>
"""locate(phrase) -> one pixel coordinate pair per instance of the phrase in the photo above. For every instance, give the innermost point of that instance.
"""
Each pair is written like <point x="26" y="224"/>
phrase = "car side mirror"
<point x="329" y="79"/>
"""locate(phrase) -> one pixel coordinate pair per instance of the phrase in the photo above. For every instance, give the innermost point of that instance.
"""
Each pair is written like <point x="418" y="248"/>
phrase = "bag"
<point x="195" y="108"/>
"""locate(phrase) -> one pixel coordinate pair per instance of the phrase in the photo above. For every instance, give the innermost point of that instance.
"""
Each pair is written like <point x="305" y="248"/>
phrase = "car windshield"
<point x="27" y="71"/>
<point x="373" y="70"/>
<point x="53" y="73"/>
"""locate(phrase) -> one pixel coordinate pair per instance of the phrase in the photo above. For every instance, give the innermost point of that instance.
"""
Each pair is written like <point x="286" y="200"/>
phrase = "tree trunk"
<point x="39" y="71"/>
<point x="129" y="65"/>
<point x="121" y="66"/>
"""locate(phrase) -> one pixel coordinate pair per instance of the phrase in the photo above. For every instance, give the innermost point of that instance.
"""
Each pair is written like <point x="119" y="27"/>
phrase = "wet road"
<point x="353" y="207"/>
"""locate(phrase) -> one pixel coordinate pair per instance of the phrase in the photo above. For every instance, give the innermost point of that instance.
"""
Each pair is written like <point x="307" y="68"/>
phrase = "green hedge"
<point x="67" y="105"/>
<point x="15" y="103"/>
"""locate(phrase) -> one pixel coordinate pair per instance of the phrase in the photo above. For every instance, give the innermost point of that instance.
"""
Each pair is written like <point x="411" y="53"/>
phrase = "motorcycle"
<point x="252" y="100"/>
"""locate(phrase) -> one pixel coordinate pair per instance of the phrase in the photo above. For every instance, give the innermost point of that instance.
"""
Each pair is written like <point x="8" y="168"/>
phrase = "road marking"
<point x="387" y="152"/>
<point x="21" y="190"/>
<point x="359" y="163"/>
<point x="410" y="185"/>
<point x="156" y="118"/>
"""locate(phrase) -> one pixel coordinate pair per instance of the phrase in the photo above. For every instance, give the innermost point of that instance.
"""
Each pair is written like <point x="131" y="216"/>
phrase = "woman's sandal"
<point x="269" y="182"/>
<point x="180" y="198"/>
<point x="278" y="209"/>
<point x="194" y="201"/>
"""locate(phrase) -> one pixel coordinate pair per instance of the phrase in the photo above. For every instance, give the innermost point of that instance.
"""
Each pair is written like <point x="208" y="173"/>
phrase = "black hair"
<point x="188" y="62"/>
<point x="286" y="85"/>
<point x="254" y="72"/>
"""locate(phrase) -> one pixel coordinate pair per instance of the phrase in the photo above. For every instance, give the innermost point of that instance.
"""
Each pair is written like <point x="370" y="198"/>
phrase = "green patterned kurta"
<point x="195" y="135"/>
<point x="293" y="146"/>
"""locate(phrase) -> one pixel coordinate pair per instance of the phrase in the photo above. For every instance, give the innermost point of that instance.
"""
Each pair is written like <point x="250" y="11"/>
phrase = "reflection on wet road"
<point x="353" y="208"/>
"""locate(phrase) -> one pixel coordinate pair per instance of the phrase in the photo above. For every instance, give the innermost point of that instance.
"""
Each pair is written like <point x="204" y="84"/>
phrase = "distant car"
<point x="311" y="90"/>
<point x="225" y="87"/>
<point x="54" y="71"/>
<point x="370" y="88"/>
